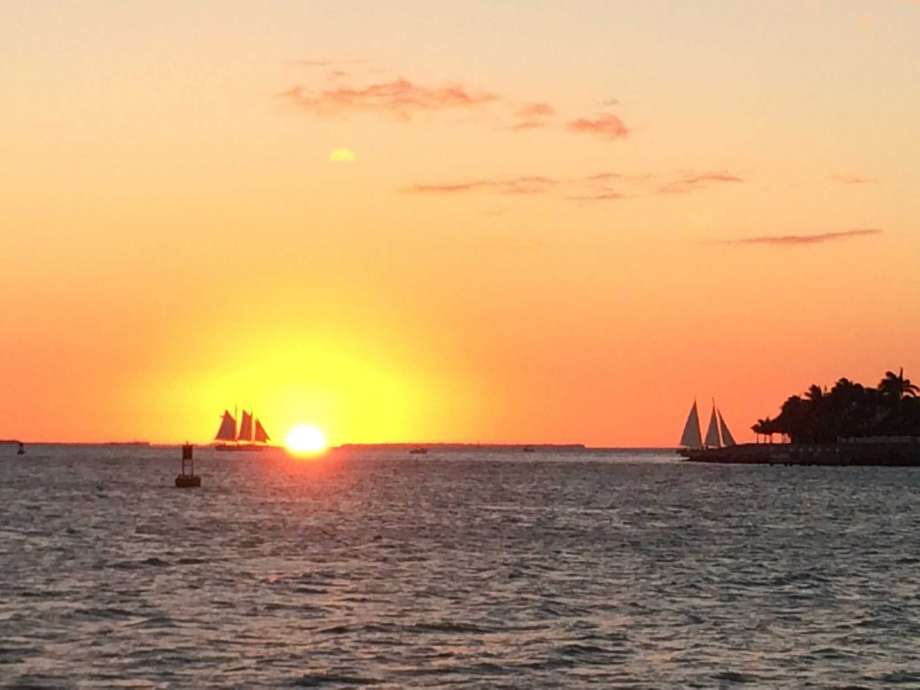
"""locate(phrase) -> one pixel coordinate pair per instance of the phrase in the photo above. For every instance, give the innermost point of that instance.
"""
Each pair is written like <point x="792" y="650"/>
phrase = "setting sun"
<point x="305" y="438"/>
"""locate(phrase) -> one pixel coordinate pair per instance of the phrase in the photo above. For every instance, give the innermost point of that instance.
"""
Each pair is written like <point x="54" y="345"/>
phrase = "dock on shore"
<point x="902" y="451"/>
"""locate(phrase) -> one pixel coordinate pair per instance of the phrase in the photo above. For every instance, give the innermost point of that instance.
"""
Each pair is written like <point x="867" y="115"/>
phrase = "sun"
<point x="305" y="439"/>
<point x="343" y="156"/>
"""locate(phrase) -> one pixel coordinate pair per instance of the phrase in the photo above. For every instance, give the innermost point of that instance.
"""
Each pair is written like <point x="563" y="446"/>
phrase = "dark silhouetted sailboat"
<point x="250" y="436"/>
<point x="717" y="434"/>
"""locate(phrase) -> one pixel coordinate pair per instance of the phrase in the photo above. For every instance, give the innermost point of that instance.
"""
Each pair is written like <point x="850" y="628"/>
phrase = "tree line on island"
<point x="848" y="410"/>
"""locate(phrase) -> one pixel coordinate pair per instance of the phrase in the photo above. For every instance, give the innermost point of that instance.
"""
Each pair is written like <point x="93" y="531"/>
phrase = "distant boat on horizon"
<point x="251" y="435"/>
<point x="718" y="434"/>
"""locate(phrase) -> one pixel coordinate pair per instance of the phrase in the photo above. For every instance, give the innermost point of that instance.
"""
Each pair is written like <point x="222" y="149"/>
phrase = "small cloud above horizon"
<point x="331" y="62"/>
<point x="399" y="98"/>
<point x="854" y="179"/>
<point x="512" y="185"/>
<point x="586" y="188"/>
<point x="532" y="116"/>
<point x="800" y="240"/>
<point x="604" y="126"/>
<point x="605" y="195"/>
<point x="689" y="182"/>
<point x="345" y="93"/>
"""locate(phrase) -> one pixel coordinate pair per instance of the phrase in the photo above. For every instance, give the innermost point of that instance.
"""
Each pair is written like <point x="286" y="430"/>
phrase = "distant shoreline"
<point x="145" y="444"/>
<point x="399" y="446"/>
<point x="461" y="446"/>
<point x="559" y="447"/>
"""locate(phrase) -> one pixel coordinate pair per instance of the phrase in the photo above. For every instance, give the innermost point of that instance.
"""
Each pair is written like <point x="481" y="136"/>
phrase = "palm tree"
<point x="911" y="390"/>
<point x="895" y="387"/>
<point x="814" y="393"/>
<point x="763" y="427"/>
<point x="848" y="410"/>
<point x="794" y="420"/>
<point x="847" y="390"/>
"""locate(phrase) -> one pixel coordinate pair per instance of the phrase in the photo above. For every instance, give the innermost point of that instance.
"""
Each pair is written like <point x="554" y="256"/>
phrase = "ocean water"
<point x="455" y="569"/>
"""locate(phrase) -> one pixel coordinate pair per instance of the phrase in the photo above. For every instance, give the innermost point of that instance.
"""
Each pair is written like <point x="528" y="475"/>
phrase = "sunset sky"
<point x="495" y="220"/>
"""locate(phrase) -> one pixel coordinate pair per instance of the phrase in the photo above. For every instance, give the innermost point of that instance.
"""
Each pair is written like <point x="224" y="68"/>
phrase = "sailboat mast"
<point x="716" y="414"/>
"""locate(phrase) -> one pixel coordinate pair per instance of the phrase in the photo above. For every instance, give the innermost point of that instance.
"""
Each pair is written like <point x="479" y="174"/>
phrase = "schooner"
<point x="251" y="435"/>
<point x="717" y="434"/>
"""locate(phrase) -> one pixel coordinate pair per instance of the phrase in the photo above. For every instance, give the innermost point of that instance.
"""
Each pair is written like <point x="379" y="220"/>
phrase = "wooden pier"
<point x="881" y="451"/>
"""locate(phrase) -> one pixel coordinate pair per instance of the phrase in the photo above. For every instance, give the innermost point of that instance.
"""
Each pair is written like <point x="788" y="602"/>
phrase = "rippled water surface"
<point x="455" y="569"/>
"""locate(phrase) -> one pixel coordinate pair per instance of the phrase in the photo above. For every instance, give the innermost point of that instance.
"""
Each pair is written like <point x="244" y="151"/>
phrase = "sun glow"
<point x="305" y="439"/>
<point x="343" y="156"/>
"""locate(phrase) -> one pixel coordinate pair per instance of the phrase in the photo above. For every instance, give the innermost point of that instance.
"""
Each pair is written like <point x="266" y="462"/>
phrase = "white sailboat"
<point x="250" y="436"/>
<point x="717" y="433"/>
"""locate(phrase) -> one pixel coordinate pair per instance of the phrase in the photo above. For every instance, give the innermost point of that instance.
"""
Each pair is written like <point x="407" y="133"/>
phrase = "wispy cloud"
<point x="348" y="91"/>
<point x="598" y="187"/>
<point x="524" y="125"/>
<point x="330" y="62"/>
<point x="399" y="98"/>
<point x="693" y="181"/>
<point x="512" y="185"/>
<point x="603" y="195"/>
<point x="536" y="110"/>
<point x="581" y="188"/>
<point x="603" y="177"/>
<point x="854" y="179"/>
<point x="532" y="116"/>
<point x="449" y="187"/>
<point x="799" y="240"/>
<point x="605" y="126"/>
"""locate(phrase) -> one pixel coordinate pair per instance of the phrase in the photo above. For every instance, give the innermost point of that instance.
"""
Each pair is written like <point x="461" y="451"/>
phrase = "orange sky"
<point x="504" y="221"/>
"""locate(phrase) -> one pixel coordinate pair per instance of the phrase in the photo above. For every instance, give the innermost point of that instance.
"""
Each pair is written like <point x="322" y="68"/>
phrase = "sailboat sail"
<point x="691" y="437"/>
<point x="250" y="436"/>
<point x="227" y="430"/>
<point x="727" y="438"/>
<point x="245" y="427"/>
<point x="712" y="433"/>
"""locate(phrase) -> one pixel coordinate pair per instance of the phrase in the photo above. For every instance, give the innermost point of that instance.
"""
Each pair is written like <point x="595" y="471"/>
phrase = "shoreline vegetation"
<point x="849" y="410"/>
<point x="848" y="424"/>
